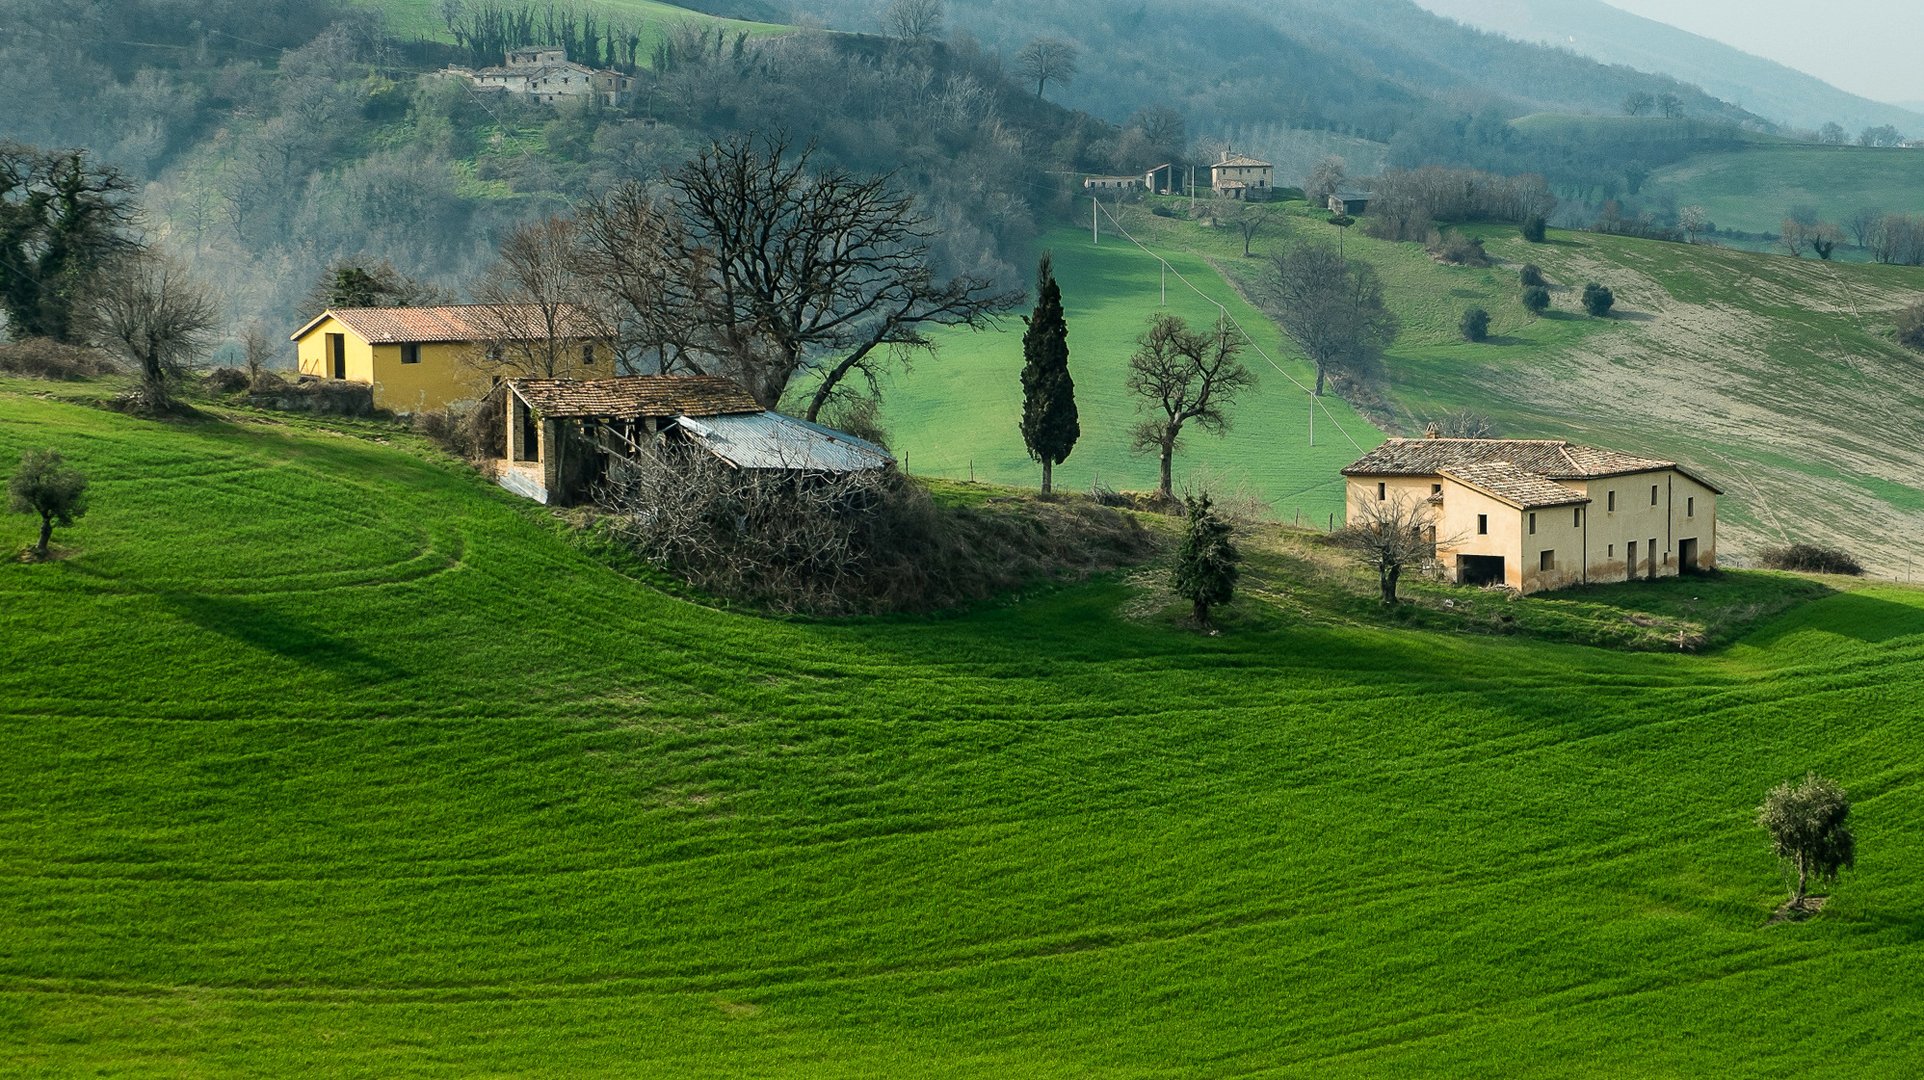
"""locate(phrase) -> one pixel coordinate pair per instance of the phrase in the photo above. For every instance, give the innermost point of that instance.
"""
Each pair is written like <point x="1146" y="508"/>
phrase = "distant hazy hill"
<point x="1596" y="29"/>
<point x="1363" y="67"/>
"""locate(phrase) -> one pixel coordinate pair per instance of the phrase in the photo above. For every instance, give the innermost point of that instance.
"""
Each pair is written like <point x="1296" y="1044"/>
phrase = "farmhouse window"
<point x="410" y="352"/>
<point x="1547" y="561"/>
<point x="1611" y="498"/>
<point x="1382" y="491"/>
<point x="1613" y="552"/>
<point x="1483" y="524"/>
<point x="1533" y="524"/>
<point x="1690" y="507"/>
<point x="588" y="354"/>
<point x="1578" y="522"/>
<point x="1436" y="489"/>
<point x="1653" y="494"/>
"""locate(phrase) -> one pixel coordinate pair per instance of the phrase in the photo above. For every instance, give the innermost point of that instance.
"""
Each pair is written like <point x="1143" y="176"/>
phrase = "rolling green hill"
<point x="1755" y="188"/>
<point x="1778" y="377"/>
<point x="321" y="755"/>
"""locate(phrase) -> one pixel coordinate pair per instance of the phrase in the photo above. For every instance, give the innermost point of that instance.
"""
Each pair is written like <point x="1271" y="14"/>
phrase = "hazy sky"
<point x="1868" y="47"/>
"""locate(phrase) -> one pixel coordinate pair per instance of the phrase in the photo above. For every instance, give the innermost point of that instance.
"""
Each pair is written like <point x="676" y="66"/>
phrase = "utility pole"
<point x="1095" y="230"/>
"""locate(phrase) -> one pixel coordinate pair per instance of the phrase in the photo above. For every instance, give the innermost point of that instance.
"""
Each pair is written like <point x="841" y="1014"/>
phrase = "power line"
<point x="1316" y="401"/>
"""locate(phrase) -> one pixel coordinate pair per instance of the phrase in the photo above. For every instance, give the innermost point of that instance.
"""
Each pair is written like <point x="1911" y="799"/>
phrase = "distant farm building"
<point x="1111" y="183"/>
<point x="1239" y="176"/>
<point x="546" y="74"/>
<point x="417" y="358"/>
<point x="566" y="439"/>
<point x="1544" y="514"/>
<point x="1349" y="202"/>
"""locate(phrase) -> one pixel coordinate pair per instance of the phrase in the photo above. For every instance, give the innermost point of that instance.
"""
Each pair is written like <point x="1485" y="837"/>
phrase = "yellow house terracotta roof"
<point x="1552" y="459"/>
<point x="1505" y="481"/>
<point x="636" y="395"/>
<point x="453" y="322"/>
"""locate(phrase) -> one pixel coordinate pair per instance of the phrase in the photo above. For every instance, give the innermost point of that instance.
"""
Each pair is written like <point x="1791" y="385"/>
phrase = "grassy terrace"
<point x="320" y="755"/>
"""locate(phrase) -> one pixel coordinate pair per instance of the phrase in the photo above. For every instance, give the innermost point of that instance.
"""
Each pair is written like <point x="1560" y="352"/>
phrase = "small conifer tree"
<point x="46" y="485"/>
<point x="1206" y="570"/>
<point x="1049" y="422"/>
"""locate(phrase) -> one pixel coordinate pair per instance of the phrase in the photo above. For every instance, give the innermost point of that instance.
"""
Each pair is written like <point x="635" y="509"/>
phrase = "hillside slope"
<point x="1595" y="29"/>
<point x="1779" y="377"/>
<point x="322" y="756"/>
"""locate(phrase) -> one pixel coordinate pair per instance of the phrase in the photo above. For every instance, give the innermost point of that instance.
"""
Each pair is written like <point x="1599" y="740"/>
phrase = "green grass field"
<point x="321" y="755"/>
<point x="1754" y="189"/>
<point x="1778" y="377"/>
<point x="421" y="18"/>
<point x="961" y="409"/>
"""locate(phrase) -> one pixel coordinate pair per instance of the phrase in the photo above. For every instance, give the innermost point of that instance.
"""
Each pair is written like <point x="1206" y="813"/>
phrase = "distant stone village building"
<point x="417" y="358"/>
<point x="546" y="74"/>
<point x="1111" y="183"/>
<point x="566" y="439"/>
<point x="1348" y="202"/>
<point x="1544" y="514"/>
<point x="1239" y="176"/>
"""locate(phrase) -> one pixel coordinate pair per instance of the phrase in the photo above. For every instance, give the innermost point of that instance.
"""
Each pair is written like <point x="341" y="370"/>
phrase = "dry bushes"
<point x="1456" y="249"/>
<point x="44" y="358"/>
<point x="855" y="543"/>
<point x="1810" y="559"/>
<point x="476" y="433"/>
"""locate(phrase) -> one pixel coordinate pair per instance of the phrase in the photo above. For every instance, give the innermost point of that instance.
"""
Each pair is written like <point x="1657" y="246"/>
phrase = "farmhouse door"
<point x="337" y="356"/>
<point x="1631" y="573"/>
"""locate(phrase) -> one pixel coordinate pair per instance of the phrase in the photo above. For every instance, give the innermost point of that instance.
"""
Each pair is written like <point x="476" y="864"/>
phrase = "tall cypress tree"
<point x="1049" y="424"/>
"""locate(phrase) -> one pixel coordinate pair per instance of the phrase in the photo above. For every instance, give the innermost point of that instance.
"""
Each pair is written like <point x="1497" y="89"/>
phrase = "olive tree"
<point x="1806" y="826"/>
<point x="45" y="484"/>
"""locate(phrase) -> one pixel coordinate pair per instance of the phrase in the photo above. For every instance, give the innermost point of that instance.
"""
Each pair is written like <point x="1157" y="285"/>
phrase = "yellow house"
<point x="1539" y="514"/>
<point x="428" y="357"/>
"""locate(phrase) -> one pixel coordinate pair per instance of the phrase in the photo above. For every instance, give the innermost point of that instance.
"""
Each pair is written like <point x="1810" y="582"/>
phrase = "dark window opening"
<point x="1533" y="524"/>
<point x="1436" y="489"/>
<point x="1690" y="506"/>
<point x="527" y="444"/>
<point x="1653" y="494"/>
<point x="410" y="353"/>
<point x="1382" y="492"/>
<point x="588" y="354"/>
<point x="1578" y="522"/>
<point x="1547" y="561"/>
<point x="1612" y="497"/>
<point x="1483" y="524"/>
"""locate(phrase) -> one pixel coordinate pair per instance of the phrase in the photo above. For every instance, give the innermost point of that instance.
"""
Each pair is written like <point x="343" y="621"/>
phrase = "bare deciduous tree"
<point x="534" y="320"/>
<point x="1046" y="60"/>
<point x="1332" y="309"/>
<point x="157" y="315"/>
<point x="1326" y="177"/>
<point x="1251" y="219"/>
<point x="1390" y="536"/>
<point x="777" y="268"/>
<point x="1862" y="224"/>
<point x="912" y="20"/>
<point x="1182" y="376"/>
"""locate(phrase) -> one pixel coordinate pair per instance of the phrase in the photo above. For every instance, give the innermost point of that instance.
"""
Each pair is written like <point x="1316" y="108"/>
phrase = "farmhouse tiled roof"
<point x="636" y="395"/>
<point x="1242" y="161"/>
<point x="454" y="322"/>
<point x="1551" y="459"/>
<point x="1513" y="485"/>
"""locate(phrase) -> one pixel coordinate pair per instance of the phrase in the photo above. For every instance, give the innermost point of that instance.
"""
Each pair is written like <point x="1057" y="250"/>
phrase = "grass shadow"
<point x="263" y="628"/>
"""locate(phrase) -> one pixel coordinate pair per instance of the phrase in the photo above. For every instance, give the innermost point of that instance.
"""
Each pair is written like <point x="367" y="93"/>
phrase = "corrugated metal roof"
<point x="632" y="396"/>
<point x="769" y="440"/>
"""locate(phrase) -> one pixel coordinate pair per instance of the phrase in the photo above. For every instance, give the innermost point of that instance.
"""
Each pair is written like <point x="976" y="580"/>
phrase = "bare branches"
<point x="1332" y="309"/>
<point x="1182" y="376"/>
<point x="533" y="321"/>
<point x="1044" y="60"/>
<point x="157" y="315"/>
<point x="757" y="265"/>
<point x="1390" y="536"/>
<point x="63" y="219"/>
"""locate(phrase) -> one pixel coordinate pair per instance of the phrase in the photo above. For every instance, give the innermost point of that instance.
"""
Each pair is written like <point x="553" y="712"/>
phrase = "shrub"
<point x="1475" y="325"/>
<point x="1598" y="299"/>
<point x="1459" y="250"/>
<point x="1532" y="275"/>
<point x="226" y="380"/>
<point x="1162" y="211"/>
<point x="1910" y="327"/>
<point x="44" y="358"/>
<point x="475" y="434"/>
<point x="1534" y="227"/>
<point x="1537" y="299"/>
<point x="865" y="542"/>
<point x="1810" y="559"/>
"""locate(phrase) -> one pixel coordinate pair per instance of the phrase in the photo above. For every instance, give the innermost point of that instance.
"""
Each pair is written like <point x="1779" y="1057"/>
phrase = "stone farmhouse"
<point x="566" y="439"/>
<point x="1544" y="514"/>
<point x="546" y="74"/>
<point x="1239" y="176"/>
<point x="417" y="358"/>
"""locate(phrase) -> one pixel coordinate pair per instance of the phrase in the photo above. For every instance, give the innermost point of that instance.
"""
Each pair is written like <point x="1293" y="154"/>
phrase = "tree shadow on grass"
<point x="276" y="632"/>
